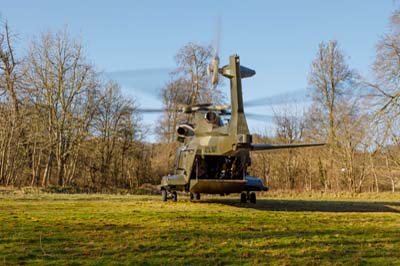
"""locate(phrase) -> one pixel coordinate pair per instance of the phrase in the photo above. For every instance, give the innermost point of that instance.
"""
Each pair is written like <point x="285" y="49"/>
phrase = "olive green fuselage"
<point x="214" y="156"/>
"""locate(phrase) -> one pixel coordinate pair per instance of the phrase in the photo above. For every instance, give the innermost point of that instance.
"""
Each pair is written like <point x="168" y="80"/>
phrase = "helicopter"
<point x="213" y="157"/>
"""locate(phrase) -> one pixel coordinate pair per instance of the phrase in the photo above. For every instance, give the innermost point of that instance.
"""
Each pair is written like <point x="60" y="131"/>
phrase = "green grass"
<point x="142" y="230"/>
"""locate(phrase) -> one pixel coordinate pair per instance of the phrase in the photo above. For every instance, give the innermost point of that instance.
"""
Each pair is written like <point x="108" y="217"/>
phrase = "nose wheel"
<point x="166" y="195"/>
<point x="174" y="196"/>
<point x="250" y="196"/>
<point x="253" y="197"/>
<point x="243" y="197"/>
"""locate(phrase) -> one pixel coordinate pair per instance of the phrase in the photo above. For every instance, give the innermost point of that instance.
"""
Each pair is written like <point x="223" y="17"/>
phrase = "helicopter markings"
<point x="210" y="149"/>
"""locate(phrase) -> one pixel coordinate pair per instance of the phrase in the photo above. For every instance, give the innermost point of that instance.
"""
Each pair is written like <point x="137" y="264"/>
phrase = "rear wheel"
<point x="243" y="197"/>
<point x="163" y="195"/>
<point x="174" y="196"/>
<point x="253" y="197"/>
<point x="197" y="196"/>
<point x="191" y="195"/>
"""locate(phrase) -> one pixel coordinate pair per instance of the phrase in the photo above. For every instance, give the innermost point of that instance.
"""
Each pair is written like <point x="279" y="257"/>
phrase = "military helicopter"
<point x="214" y="156"/>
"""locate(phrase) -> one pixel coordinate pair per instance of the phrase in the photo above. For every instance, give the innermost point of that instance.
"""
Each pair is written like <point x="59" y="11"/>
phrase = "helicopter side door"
<point x="184" y="161"/>
<point x="179" y="161"/>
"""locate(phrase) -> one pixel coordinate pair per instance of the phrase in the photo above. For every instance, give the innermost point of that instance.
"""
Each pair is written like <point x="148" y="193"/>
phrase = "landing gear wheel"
<point x="163" y="195"/>
<point x="253" y="197"/>
<point x="174" y="196"/>
<point x="243" y="197"/>
<point x="197" y="196"/>
<point x="191" y="195"/>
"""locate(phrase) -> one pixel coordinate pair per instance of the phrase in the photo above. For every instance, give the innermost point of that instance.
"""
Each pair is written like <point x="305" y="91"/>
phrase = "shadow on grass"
<point x="312" y="205"/>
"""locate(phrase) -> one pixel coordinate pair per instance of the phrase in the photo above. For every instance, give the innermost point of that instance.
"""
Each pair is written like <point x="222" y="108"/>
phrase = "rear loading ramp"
<point x="217" y="186"/>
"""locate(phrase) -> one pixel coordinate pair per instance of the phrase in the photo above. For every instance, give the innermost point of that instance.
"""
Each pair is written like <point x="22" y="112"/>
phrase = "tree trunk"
<point x="373" y="170"/>
<point x="47" y="170"/>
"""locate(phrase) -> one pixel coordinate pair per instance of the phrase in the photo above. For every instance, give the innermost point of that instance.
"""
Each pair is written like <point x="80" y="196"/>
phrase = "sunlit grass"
<point x="142" y="230"/>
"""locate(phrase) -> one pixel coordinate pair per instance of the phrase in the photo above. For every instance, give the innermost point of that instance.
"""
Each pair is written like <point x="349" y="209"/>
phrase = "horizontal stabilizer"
<point x="246" y="72"/>
<point x="261" y="147"/>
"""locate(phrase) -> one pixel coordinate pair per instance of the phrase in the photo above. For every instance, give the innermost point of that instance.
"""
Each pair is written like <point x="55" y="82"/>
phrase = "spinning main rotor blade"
<point x="252" y="116"/>
<point x="264" y="117"/>
<point x="284" y="98"/>
<point x="150" y="110"/>
<point x="187" y="108"/>
<point x="217" y="37"/>
<point x="150" y="82"/>
<point x="260" y="117"/>
<point x="147" y="82"/>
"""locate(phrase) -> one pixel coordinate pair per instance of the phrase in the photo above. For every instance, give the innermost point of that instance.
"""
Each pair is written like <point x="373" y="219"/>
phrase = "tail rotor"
<point x="213" y="68"/>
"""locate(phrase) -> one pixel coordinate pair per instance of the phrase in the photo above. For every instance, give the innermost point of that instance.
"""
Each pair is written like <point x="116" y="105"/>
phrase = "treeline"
<point x="63" y="124"/>
<point x="357" y="117"/>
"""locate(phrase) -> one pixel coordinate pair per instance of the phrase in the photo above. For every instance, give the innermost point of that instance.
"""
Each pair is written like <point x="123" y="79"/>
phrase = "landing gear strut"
<point x="174" y="196"/>
<point x="165" y="195"/>
<point x="251" y="196"/>
<point x="194" y="196"/>
<point x="243" y="197"/>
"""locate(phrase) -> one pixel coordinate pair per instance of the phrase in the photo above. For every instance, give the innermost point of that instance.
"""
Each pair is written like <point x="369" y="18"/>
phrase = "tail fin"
<point x="238" y="124"/>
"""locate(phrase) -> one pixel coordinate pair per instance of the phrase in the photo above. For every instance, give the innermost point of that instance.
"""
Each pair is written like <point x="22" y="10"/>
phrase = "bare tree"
<point x="192" y="62"/>
<point x="8" y="66"/>
<point x="387" y="69"/>
<point x="289" y="129"/>
<point x="173" y="94"/>
<point x="329" y="79"/>
<point x="390" y="152"/>
<point x="190" y="84"/>
<point x="386" y="98"/>
<point x="11" y="130"/>
<point x="113" y="126"/>
<point x="351" y="153"/>
<point x="62" y="85"/>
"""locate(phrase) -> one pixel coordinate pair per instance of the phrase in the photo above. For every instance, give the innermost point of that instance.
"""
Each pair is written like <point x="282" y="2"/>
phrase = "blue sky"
<point x="278" y="39"/>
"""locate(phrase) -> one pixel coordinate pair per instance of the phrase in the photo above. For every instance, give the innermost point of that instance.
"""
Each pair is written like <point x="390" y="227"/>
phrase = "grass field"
<point x="47" y="229"/>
